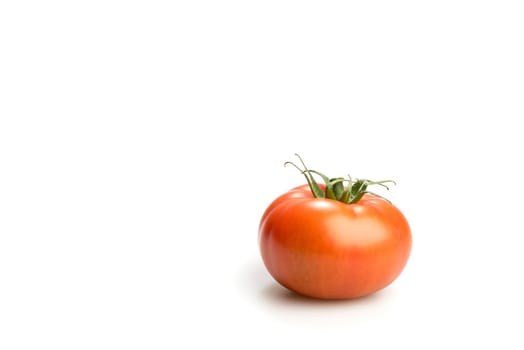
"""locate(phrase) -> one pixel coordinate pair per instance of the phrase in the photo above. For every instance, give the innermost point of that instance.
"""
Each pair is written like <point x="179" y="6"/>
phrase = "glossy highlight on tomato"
<point x="320" y="242"/>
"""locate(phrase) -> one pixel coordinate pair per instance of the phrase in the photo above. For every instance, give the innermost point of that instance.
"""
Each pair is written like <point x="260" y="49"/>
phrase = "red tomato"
<point x="329" y="249"/>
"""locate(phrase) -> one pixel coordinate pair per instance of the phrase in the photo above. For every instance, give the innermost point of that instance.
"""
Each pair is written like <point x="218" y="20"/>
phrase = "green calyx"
<point x="346" y="190"/>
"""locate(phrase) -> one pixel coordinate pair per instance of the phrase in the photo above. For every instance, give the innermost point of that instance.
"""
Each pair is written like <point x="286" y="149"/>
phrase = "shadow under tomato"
<point x="277" y="294"/>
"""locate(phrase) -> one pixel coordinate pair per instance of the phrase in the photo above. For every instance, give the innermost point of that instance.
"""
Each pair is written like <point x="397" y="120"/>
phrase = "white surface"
<point x="141" y="141"/>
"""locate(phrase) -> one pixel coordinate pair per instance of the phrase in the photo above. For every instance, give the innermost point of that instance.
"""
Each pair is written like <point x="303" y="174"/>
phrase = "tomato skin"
<point x="327" y="249"/>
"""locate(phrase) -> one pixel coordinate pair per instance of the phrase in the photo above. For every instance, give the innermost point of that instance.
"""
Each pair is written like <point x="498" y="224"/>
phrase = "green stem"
<point x="334" y="187"/>
<point x="313" y="185"/>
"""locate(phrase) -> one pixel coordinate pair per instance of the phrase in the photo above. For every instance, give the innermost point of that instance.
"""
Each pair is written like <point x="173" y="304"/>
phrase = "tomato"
<point x="330" y="249"/>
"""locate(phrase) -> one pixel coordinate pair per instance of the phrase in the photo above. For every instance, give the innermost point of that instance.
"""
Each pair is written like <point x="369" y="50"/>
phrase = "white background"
<point x="140" y="142"/>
